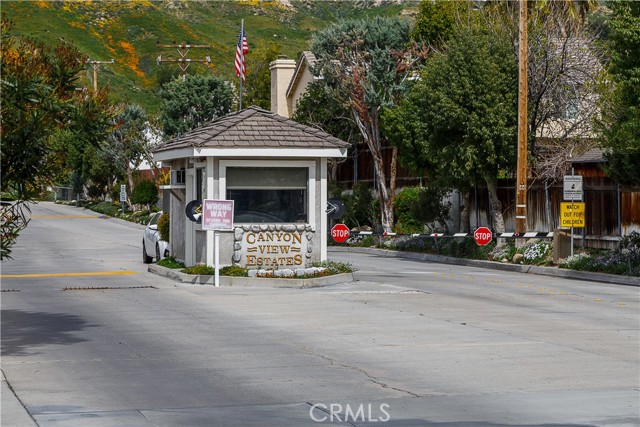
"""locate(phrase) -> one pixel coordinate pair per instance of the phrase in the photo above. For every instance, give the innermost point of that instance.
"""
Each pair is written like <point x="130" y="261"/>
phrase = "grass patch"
<point x="170" y="262"/>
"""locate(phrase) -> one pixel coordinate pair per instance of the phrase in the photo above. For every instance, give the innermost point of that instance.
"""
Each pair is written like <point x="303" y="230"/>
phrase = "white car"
<point x="152" y="245"/>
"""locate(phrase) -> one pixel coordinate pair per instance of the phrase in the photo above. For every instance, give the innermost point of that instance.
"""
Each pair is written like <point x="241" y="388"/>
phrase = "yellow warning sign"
<point x="572" y="214"/>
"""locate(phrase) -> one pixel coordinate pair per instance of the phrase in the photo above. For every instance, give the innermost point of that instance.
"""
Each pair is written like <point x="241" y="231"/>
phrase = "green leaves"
<point x="462" y="113"/>
<point x="620" y="123"/>
<point x="39" y="102"/>
<point x="190" y="103"/>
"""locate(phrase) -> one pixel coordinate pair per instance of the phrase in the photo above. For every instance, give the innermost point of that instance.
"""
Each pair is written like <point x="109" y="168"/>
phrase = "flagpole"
<point x="241" y="60"/>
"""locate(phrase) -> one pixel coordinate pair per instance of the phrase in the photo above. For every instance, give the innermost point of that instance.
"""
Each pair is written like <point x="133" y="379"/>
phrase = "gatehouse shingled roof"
<point x="253" y="128"/>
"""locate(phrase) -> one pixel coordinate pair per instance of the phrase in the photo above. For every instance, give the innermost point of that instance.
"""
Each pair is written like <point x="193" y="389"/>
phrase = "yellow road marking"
<point x="63" y="216"/>
<point x="88" y="273"/>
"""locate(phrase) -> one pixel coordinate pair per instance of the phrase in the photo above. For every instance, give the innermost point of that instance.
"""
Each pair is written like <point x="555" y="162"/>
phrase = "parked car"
<point x="152" y="245"/>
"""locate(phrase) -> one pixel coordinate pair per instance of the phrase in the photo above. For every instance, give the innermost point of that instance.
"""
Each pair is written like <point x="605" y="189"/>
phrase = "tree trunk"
<point x="465" y="212"/>
<point x="496" y="206"/>
<point x="386" y="209"/>
<point x="130" y="181"/>
<point x="392" y="181"/>
<point x="369" y="129"/>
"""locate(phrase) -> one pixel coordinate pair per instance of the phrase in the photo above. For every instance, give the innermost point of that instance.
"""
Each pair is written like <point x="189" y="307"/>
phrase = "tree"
<point x="437" y="21"/>
<point x="190" y="103"/>
<point x="619" y="125"/>
<point x="460" y="120"/>
<point x="39" y="98"/>
<point x="257" y="85"/>
<point x="128" y="146"/>
<point x="564" y="64"/>
<point x="98" y="169"/>
<point x="319" y="109"/>
<point x="145" y="193"/>
<point x="366" y="65"/>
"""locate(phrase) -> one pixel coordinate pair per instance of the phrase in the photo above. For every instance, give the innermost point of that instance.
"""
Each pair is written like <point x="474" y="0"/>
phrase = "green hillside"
<point x="128" y="32"/>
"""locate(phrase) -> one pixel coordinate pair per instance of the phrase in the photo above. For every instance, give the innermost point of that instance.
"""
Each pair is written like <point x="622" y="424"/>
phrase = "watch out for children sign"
<point x="217" y="214"/>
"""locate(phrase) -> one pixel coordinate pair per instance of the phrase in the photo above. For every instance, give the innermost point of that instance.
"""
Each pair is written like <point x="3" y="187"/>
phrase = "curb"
<point x="518" y="268"/>
<point x="251" y="281"/>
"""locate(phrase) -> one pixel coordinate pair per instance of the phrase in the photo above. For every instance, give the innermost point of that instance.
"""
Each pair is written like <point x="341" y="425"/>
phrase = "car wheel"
<point x="145" y="258"/>
<point x="158" y="258"/>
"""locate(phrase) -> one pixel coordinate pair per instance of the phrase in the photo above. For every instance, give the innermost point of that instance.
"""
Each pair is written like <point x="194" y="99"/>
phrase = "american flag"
<point x="241" y="50"/>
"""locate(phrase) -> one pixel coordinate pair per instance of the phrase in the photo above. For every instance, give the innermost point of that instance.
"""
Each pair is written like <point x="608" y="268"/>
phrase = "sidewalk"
<point x="520" y="268"/>
<point x="13" y="413"/>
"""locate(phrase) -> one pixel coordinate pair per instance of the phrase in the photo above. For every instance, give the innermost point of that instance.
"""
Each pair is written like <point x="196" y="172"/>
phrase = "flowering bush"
<point x="536" y="251"/>
<point x="629" y="253"/>
<point x="503" y="253"/>
<point x="576" y="262"/>
<point x="624" y="260"/>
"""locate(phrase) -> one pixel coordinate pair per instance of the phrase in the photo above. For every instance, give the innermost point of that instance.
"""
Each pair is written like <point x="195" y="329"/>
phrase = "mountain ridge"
<point x="131" y="32"/>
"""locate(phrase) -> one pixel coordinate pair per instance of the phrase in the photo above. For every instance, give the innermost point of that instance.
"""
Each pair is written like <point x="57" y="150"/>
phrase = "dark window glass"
<point x="268" y="195"/>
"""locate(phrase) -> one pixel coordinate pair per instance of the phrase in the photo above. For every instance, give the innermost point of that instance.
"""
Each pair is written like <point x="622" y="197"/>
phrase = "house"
<point x="275" y="171"/>
<point x="289" y="80"/>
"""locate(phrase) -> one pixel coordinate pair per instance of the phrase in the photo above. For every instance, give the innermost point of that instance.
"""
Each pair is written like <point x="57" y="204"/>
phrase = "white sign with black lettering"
<point x="572" y="188"/>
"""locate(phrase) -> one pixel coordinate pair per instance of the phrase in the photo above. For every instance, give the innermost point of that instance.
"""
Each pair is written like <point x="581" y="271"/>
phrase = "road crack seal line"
<point x="373" y="379"/>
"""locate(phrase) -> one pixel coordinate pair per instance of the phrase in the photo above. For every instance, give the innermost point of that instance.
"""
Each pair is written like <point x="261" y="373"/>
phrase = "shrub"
<point x="336" y="267"/>
<point x="503" y="253"/>
<point x="359" y="206"/>
<point x="431" y="208"/>
<point x="170" y="262"/>
<point x="405" y="211"/>
<point x="536" y="252"/>
<point x="106" y="208"/>
<point x="145" y="193"/>
<point x="415" y="244"/>
<point x="95" y="191"/>
<point x="464" y="248"/>
<point x="233" y="270"/>
<point x="629" y="250"/>
<point x="579" y="261"/>
<point x="164" y="226"/>
<point x="200" y="269"/>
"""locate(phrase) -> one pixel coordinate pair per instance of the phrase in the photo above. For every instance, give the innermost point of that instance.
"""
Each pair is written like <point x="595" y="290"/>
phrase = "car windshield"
<point x="154" y="219"/>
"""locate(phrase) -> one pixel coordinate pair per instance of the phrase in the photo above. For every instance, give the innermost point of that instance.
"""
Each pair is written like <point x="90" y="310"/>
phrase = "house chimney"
<point x="281" y="74"/>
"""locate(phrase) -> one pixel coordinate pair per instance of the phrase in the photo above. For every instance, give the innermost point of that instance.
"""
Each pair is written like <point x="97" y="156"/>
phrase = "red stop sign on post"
<point x="340" y="233"/>
<point x="482" y="236"/>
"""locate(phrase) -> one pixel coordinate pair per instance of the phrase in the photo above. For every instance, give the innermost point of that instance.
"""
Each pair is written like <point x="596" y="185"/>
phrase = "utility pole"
<point x="95" y="65"/>
<point x="183" y="50"/>
<point x="521" y="178"/>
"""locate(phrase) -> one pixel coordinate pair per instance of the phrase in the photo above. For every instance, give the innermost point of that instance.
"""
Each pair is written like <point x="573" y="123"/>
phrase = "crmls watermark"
<point x="333" y="412"/>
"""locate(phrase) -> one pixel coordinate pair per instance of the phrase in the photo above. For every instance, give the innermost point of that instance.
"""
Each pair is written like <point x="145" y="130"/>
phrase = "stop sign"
<point x="340" y="233"/>
<point x="482" y="236"/>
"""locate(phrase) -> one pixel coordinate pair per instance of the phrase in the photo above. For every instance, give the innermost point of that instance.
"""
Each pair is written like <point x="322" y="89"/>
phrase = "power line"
<point x="96" y="64"/>
<point x="183" y="50"/>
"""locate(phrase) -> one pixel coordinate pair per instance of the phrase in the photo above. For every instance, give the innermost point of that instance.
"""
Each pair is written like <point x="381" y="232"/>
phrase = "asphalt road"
<point x="89" y="338"/>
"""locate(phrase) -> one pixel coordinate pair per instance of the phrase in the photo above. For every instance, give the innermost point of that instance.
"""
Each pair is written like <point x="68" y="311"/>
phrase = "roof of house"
<point x="253" y="128"/>
<point x="307" y="59"/>
<point x="595" y="155"/>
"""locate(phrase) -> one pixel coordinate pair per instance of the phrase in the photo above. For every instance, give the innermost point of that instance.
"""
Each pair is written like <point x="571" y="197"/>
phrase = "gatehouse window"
<point x="268" y="194"/>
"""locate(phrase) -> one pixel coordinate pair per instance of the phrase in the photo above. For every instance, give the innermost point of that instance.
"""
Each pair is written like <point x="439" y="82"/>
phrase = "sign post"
<point x="572" y="215"/>
<point x="572" y="190"/>
<point x="123" y="196"/>
<point x="217" y="215"/>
